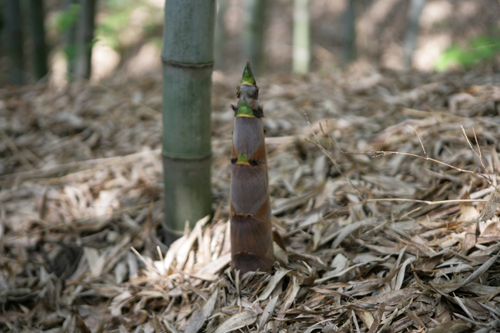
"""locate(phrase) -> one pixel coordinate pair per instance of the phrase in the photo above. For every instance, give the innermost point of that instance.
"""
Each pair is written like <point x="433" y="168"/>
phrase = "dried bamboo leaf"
<point x="428" y="264"/>
<point x="185" y="248"/>
<point x="391" y="297"/>
<point x="491" y="206"/>
<point x="92" y="256"/>
<point x="200" y="316"/>
<point x="470" y="238"/>
<point x="402" y="270"/>
<point x="377" y="319"/>
<point x="490" y="233"/>
<point x="275" y="279"/>
<point x="349" y="229"/>
<point x="389" y="320"/>
<point x="108" y="262"/>
<point x="283" y="205"/>
<point x="215" y="266"/>
<point x="157" y="324"/>
<point x="268" y="311"/>
<point x="366" y="317"/>
<point x="290" y="294"/>
<point x="329" y="275"/>
<point x="467" y="210"/>
<point x="355" y="321"/>
<point x="81" y="325"/>
<point x="169" y="327"/>
<point x="239" y="320"/>
<point x="416" y="318"/>
<point x="452" y="327"/>
<point x="480" y="271"/>
<point x="480" y="290"/>
<point x="280" y="254"/>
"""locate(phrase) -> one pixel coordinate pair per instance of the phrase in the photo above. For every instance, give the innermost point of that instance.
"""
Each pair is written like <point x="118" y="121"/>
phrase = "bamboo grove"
<point x="251" y="228"/>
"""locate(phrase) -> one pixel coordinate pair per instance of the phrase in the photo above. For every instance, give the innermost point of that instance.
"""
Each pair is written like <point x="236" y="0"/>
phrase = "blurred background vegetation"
<point x="127" y="37"/>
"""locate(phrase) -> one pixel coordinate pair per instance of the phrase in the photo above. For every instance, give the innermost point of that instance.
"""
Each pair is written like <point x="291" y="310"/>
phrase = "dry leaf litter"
<point x="383" y="189"/>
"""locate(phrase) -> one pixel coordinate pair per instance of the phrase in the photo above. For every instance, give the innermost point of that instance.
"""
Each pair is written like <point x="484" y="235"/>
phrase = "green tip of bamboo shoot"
<point x="245" y="110"/>
<point x="242" y="159"/>
<point x="248" y="77"/>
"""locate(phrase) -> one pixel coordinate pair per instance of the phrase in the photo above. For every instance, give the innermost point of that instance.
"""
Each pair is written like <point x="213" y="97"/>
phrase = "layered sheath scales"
<point x="251" y="228"/>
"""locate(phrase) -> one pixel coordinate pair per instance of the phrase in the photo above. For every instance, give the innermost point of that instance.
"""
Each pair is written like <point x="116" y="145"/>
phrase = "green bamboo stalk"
<point x="254" y="40"/>
<point x="85" y="38"/>
<point x="14" y="40"/>
<point x="251" y="227"/>
<point x="187" y="58"/>
<point x="411" y="32"/>
<point x="301" y="37"/>
<point x="349" y="36"/>
<point x="37" y="29"/>
<point x="220" y="34"/>
<point x="70" y="24"/>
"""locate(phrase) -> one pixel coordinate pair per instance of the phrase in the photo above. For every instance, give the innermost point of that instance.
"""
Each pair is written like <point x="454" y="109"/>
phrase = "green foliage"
<point x="115" y="24"/>
<point x="70" y="51"/>
<point x="68" y="18"/>
<point x="114" y="19"/>
<point x="481" y="49"/>
<point x="116" y="5"/>
<point x="110" y="26"/>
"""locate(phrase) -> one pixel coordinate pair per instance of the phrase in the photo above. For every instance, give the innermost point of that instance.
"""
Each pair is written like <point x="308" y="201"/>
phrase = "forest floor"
<point x="382" y="185"/>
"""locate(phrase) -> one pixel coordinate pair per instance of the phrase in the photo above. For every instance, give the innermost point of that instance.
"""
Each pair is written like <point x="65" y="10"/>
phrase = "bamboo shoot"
<point x="251" y="228"/>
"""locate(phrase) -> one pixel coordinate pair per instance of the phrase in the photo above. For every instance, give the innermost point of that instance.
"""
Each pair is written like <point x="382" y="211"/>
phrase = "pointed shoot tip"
<point x="245" y="110"/>
<point x="248" y="77"/>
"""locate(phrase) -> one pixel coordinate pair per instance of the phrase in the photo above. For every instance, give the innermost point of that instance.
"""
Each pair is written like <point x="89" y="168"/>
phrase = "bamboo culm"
<point x="251" y="228"/>
<point x="187" y="59"/>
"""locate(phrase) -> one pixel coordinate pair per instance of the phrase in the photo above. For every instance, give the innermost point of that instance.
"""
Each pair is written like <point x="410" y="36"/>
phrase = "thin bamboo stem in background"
<point x="85" y="38"/>
<point x="411" y="33"/>
<point x="14" y="40"/>
<point x="301" y="37"/>
<point x="349" y="34"/>
<point x="71" y="9"/>
<point x="37" y="30"/>
<point x="254" y="37"/>
<point x="220" y="34"/>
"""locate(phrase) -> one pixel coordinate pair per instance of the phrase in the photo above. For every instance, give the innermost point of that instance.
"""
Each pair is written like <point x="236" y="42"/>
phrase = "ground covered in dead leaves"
<point x="383" y="188"/>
